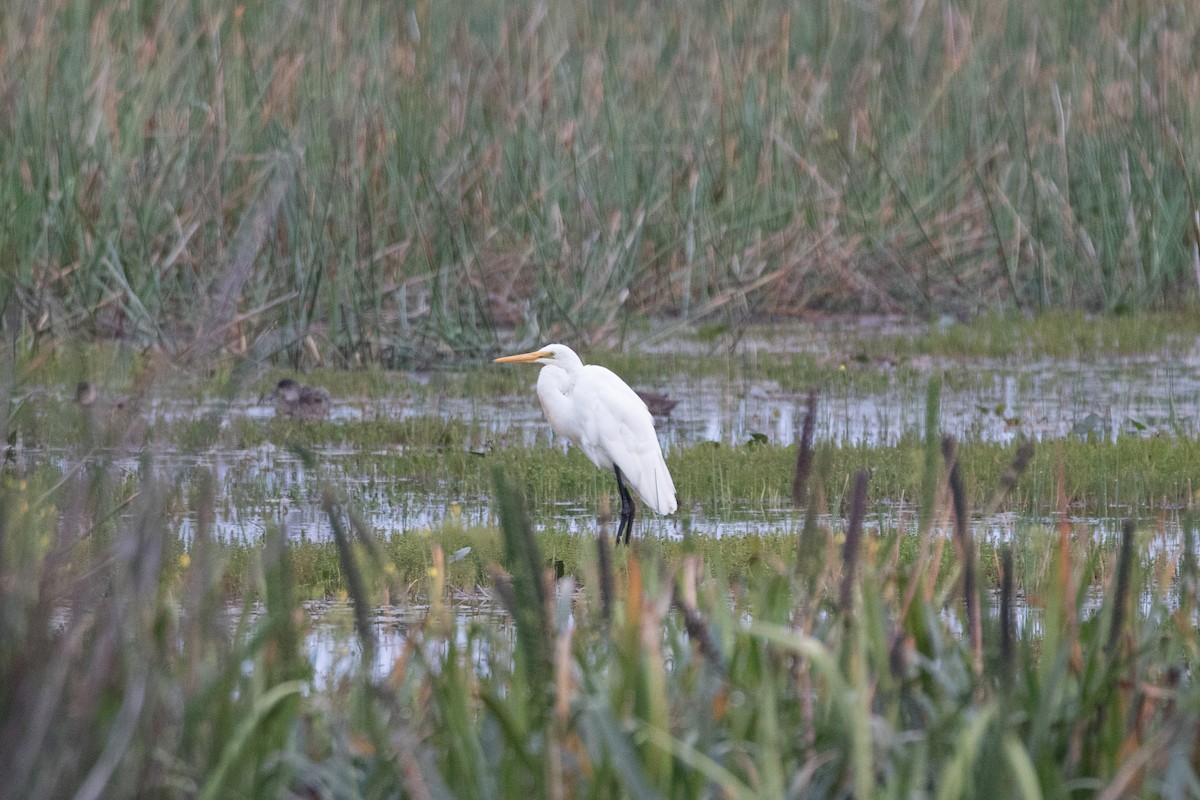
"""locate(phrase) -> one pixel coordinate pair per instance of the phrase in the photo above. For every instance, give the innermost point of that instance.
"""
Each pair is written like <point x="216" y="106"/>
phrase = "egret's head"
<point x="557" y="354"/>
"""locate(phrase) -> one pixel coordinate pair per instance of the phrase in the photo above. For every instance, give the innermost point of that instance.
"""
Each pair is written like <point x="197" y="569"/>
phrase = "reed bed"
<point x="364" y="182"/>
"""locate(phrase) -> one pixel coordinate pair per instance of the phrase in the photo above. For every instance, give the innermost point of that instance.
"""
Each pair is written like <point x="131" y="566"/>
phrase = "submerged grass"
<point x="463" y="557"/>
<point x="1094" y="477"/>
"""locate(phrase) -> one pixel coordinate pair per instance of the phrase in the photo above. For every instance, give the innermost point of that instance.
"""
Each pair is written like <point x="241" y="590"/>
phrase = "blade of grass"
<point x="235" y="747"/>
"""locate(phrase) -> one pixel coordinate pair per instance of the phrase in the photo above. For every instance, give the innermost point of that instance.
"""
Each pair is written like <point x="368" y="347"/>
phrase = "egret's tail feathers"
<point x="667" y="504"/>
<point x="656" y="488"/>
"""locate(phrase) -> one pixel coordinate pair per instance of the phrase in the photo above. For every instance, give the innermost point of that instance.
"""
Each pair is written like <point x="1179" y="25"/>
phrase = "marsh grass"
<point x="1099" y="478"/>
<point x="364" y="183"/>
<point x="359" y="183"/>
<point x="467" y="553"/>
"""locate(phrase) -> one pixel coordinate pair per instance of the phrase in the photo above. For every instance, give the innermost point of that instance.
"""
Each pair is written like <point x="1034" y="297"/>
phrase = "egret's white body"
<point x="597" y="412"/>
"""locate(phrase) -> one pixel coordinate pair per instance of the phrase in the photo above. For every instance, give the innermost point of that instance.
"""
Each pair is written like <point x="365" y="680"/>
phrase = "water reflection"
<point x="335" y="651"/>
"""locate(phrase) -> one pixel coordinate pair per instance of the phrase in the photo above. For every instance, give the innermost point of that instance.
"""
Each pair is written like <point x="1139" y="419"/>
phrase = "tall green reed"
<point x="400" y="182"/>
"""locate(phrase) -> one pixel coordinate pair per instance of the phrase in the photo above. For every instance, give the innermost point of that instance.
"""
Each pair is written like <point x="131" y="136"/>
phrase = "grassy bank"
<point x="362" y="183"/>
<point x="457" y="561"/>
<point x="1093" y="477"/>
<point x="857" y="354"/>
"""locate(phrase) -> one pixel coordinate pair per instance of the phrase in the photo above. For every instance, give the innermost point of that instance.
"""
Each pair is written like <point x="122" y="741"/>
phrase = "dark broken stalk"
<point x="604" y="567"/>
<point x="697" y="630"/>
<point x="1121" y="593"/>
<point x="1008" y="481"/>
<point x="1007" y="632"/>
<point x="966" y="548"/>
<point x="354" y="579"/>
<point x="503" y="584"/>
<point x="850" y="550"/>
<point x="1187" y="564"/>
<point x="804" y="452"/>
<point x="807" y="548"/>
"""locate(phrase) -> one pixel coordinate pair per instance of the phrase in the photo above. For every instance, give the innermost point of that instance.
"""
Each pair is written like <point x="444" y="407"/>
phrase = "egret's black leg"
<point x="628" y="508"/>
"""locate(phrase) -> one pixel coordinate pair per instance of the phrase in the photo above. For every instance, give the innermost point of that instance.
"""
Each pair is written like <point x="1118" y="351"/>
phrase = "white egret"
<point x="597" y="412"/>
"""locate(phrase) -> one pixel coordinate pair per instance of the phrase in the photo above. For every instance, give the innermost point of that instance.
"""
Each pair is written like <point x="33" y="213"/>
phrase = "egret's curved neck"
<point x="555" y="389"/>
<point x="561" y="376"/>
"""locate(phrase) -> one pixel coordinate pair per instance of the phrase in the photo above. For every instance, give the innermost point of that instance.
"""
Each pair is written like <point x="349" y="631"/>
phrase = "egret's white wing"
<point x="616" y="429"/>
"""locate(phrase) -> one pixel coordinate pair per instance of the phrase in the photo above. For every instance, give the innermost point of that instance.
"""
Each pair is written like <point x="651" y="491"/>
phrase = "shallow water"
<point x="335" y="651"/>
<point x="1047" y="399"/>
<point x="280" y="476"/>
<point x="982" y="398"/>
<point x="991" y="400"/>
